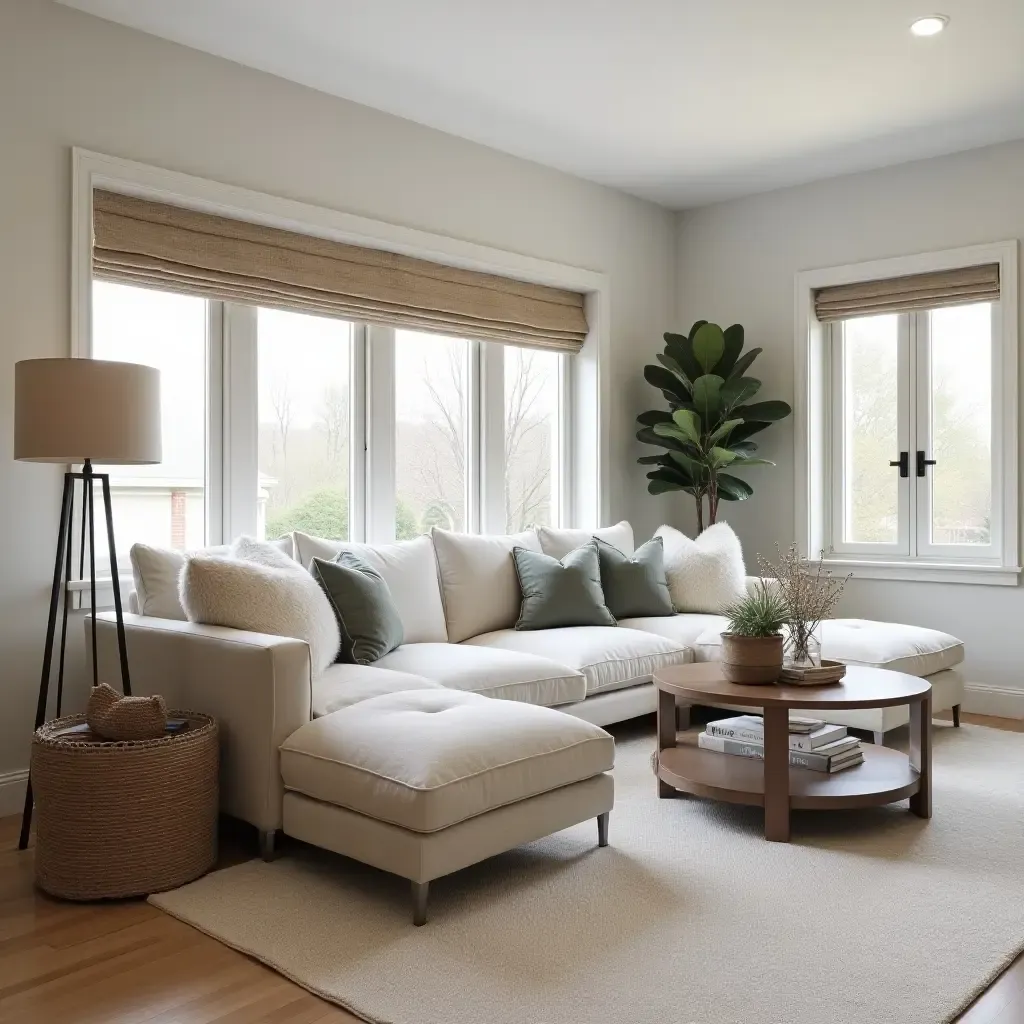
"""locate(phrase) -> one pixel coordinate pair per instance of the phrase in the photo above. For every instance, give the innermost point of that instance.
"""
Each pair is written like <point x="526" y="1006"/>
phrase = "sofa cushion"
<point x="706" y="574"/>
<point x="635" y="585"/>
<point x="685" y="629"/>
<point x="407" y="567"/>
<point x="561" y="592"/>
<point x="509" y="675"/>
<point x="342" y="685"/>
<point x="609" y="656"/>
<point x="558" y="543"/>
<point x="425" y="760"/>
<point x="478" y="580"/>
<point x="911" y="649"/>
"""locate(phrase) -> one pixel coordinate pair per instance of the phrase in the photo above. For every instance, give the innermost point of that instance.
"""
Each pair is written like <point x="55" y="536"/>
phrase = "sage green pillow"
<point x="635" y="586"/>
<point x="561" y="593"/>
<point x="367" y="617"/>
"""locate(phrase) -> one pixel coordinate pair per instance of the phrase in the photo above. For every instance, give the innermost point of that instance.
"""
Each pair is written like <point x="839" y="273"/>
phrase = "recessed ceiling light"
<point x="929" y="26"/>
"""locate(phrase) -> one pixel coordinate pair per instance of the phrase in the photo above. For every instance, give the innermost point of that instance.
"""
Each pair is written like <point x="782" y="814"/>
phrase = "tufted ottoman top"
<point x="427" y="759"/>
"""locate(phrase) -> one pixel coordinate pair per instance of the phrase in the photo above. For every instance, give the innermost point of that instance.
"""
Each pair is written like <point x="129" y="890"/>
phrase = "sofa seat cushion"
<point x="508" y="675"/>
<point x="684" y="628"/>
<point x="911" y="649"/>
<point x="427" y="759"/>
<point x="610" y="657"/>
<point x="342" y="685"/>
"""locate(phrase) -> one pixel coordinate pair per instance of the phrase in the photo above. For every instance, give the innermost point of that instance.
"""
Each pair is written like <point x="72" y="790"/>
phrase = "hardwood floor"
<point x="128" y="963"/>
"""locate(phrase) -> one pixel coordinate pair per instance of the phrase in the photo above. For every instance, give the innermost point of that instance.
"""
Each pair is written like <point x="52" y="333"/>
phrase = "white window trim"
<point x="812" y="460"/>
<point x="589" y="431"/>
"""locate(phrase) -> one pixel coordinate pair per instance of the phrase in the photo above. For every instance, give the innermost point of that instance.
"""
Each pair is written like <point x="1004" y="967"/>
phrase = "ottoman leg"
<point x="420" y="890"/>
<point x="956" y="716"/>
<point x="602" y="829"/>
<point x="268" y="839"/>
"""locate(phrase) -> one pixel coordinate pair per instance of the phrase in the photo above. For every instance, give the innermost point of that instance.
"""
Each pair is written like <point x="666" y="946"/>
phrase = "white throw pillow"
<point x="478" y="580"/>
<point x="409" y="569"/>
<point x="260" y="589"/>
<point x="706" y="574"/>
<point x="156" y="572"/>
<point x="558" y="543"/>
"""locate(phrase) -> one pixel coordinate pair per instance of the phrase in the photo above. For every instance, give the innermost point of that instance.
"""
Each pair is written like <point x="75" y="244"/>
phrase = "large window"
<point x="911" y="403"/>
<point x="164" y="505"/>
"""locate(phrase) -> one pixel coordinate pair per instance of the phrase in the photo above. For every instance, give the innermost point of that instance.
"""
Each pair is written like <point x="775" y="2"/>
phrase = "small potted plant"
<point x="752" y="646"/>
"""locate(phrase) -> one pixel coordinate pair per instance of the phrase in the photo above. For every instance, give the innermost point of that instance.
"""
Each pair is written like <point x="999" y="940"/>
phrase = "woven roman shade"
<point x="137" y="241"/>
<point x="917" y="291"/>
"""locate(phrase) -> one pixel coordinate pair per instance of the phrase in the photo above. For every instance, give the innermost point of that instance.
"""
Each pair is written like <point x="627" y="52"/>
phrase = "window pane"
<point x="531" y="437"/>
<point x="961" y="424"/>
<point x="431" y="379"/>
<point x="869" y="430"/>
<point x="165" y="504"/>
<point x="304" y="386"/>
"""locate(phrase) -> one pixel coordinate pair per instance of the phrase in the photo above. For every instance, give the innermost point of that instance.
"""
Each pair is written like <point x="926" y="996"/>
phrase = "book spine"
<point x="741" y="748"/>
<point x="736" y="732"/>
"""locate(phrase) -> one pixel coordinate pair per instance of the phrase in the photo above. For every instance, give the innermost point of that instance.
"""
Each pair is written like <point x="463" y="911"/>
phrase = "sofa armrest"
<point x="257" y="686"/>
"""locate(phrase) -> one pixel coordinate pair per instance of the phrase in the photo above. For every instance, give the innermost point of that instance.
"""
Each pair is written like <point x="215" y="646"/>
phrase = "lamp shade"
<point x="70" y="410"/>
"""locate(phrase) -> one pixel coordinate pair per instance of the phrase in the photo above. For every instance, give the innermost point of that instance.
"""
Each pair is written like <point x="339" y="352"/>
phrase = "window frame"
<point x="816" y="439"/>
<point x="584" y="438"/>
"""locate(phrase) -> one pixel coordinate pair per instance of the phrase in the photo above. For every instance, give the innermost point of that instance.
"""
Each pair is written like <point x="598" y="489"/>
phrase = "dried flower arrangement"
<point x="810" y="593"/>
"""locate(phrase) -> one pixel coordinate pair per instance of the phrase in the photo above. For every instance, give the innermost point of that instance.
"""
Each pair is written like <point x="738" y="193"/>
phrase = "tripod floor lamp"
<point x="77" y="412"/>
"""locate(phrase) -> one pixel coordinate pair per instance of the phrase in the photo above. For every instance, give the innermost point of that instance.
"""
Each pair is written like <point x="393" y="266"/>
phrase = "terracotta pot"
<point x="751" y="659"/>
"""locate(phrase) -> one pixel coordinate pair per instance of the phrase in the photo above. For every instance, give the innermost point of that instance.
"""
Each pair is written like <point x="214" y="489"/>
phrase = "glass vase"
<point x="803" y="645"/>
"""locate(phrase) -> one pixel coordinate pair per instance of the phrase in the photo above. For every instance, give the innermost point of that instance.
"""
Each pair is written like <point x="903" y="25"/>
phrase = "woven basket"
<point x="117" y="819"/>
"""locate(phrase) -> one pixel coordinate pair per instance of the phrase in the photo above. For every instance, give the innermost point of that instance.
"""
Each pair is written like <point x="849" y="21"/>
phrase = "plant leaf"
<point x="675" y="369"/>
<point x="732" y="488"/>
<point x="747" y="429"/>
<point x="706" y="398"/>
<point x="708" y="345"/>
<point x="723" y="430"/>
<point x="648" y="419"/>
<point x="672" y="475"/>
<point x="655" y="460"/>
<point x="743" y="363"/>
<point x="745" y="447"/>
<point x="648" y="436"/>
<point x="687" y="422"/>
<point x="665" y="486"/>
<point x="741" y="461"/>
<point x="764" y="411"/>
<point x="667" y="382"/>
<point x="739" y="389"/>
<point x="733" y="347"/>
<point x="697" y="325"/>
<point x="722" y="457"/>
<point x="678" y="347"/>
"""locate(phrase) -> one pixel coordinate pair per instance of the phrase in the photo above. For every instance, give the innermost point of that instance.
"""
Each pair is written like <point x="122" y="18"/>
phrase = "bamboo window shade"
<point x="956" y="287"/>
<point x="141" y="242"/>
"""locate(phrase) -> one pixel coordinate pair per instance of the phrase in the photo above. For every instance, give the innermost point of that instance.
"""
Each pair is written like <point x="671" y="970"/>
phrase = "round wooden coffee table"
<point x="885" y="776"/>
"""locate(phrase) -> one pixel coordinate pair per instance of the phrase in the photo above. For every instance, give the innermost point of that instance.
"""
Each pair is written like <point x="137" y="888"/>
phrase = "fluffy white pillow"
<point x="558" y="543"/>
<point x="706" y="574"/>
<point x="409" y="569"/>
<point x="259" y="588"/>
<point x="478" y="580"/>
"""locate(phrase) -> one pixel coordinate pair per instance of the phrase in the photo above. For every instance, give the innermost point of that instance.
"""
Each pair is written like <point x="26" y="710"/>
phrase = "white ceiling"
<point x="681" y="101"/>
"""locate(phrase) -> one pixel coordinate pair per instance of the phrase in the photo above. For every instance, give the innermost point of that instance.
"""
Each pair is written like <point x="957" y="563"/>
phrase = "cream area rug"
<point x="688" y="917"/>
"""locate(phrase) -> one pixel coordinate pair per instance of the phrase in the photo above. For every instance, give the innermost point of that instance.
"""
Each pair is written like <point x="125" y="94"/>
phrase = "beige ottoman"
<point x="425" y="782"/>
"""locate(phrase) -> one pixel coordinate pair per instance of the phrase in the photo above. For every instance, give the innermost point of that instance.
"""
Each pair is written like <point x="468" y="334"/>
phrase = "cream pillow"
<point x="558" y="543"/>
<point x="478" y="580"/>
<point x="409" y="569"/>
<point x="706" y="574"/>
<point x="260" y="589"/>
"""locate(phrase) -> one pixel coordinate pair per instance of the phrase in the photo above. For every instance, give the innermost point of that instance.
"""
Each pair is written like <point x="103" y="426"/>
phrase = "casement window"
<point x="907" y="444"/>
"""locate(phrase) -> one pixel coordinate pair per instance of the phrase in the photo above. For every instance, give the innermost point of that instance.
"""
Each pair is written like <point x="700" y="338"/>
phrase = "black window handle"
<point x="922" y="462"/>
<point x="904" y="463"/>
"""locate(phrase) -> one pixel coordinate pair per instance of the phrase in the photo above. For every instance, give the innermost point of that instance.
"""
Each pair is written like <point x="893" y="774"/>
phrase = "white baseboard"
<point x="1000" y="701"/>
<point x="12" y="792"/>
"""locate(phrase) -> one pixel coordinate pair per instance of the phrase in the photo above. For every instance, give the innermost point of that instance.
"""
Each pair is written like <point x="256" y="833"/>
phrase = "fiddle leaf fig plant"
<point x="710" y="419"/>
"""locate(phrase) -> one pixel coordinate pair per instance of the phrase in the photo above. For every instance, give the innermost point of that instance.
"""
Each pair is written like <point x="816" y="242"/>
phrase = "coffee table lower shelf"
<point x="885" y="777"/>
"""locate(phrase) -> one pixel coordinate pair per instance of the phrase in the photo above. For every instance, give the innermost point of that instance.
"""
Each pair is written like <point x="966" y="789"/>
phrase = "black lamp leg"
<point x="63" y="538"/>
<point x="64" y="610"/>
<point x="122" y="646"/>
<point x="88" y="481"/>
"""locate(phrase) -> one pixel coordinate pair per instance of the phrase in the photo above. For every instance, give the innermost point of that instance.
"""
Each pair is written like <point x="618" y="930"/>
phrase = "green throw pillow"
<point x="561" y="593"/>
<point x="366" y="613"/>
<point x="635" y="586"/>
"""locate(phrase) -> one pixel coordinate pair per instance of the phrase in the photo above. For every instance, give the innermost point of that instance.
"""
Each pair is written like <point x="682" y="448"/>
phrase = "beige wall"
<point x="69" y="79"/>
<point x="737" y="262"/>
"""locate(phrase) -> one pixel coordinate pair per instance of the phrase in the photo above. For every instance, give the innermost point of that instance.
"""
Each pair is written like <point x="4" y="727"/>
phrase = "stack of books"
<point x="812" y="744"/>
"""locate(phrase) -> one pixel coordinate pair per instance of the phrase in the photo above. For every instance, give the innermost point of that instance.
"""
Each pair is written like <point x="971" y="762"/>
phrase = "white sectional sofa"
<point x="458" y="600"/>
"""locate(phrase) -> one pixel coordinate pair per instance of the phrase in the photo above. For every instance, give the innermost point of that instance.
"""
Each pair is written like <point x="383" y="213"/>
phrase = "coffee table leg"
<point x="776" y="775"/>
<point x="666" y="733"/>
<point x="921" y="755"/>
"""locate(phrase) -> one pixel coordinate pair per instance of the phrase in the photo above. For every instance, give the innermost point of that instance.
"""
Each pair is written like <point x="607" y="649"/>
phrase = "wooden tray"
<point x="827" y="672"/>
